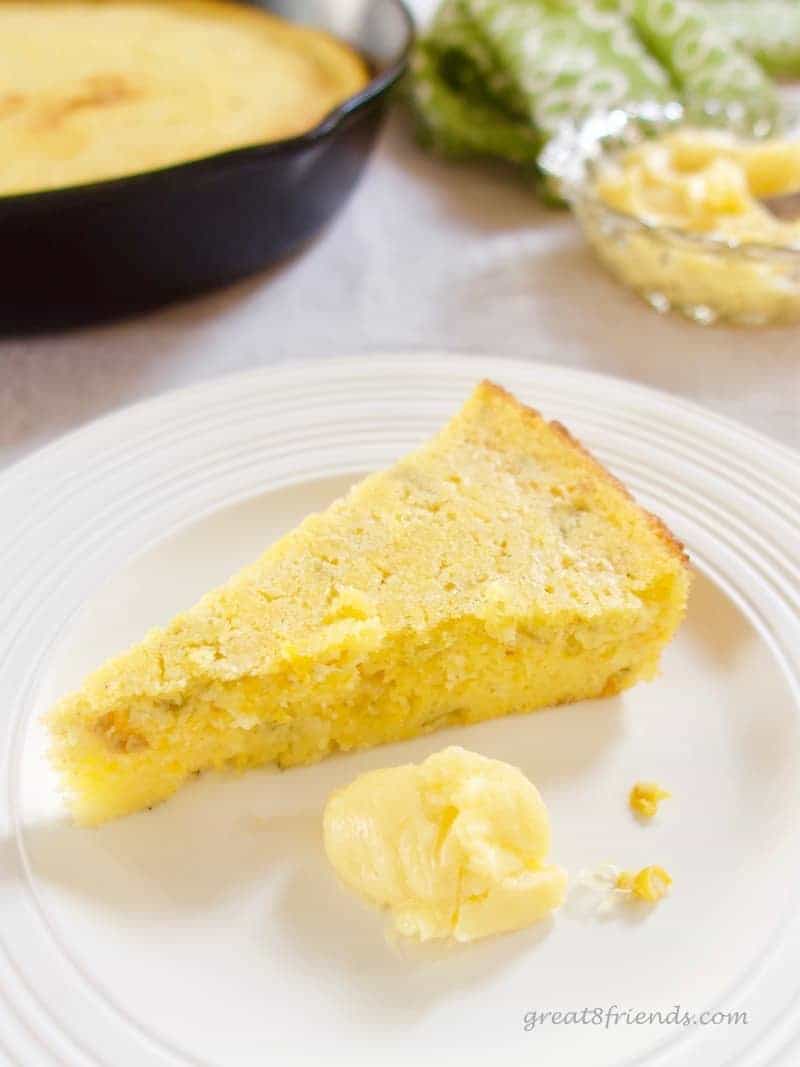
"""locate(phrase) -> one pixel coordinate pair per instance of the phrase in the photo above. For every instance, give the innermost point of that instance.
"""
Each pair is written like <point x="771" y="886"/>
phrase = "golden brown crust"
<point x="658" y="526"/>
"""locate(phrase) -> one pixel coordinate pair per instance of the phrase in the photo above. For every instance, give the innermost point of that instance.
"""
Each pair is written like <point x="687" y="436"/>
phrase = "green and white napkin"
<point x="498" y="77"/>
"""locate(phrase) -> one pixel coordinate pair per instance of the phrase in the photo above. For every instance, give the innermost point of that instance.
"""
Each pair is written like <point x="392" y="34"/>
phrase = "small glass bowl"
<point x="708" y="279"/>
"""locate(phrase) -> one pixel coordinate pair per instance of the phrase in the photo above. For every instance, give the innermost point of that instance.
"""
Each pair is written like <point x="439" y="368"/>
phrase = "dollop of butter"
<point x="455" y="846"/>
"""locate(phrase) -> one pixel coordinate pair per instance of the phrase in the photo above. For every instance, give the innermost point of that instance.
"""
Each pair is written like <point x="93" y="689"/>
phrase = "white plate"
<point x="211" y="930"/>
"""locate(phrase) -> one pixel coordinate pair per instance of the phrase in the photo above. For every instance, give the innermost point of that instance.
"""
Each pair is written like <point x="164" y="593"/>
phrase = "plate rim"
<point x="150" y="407"/>
<point x="388" y="359"/>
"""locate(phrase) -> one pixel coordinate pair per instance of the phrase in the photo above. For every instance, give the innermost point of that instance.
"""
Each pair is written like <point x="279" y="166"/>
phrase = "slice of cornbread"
<point x="498" y="569"/>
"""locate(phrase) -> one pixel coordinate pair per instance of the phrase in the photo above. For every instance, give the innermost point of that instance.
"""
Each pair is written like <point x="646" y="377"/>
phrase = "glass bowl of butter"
<point x="689" y="216"/>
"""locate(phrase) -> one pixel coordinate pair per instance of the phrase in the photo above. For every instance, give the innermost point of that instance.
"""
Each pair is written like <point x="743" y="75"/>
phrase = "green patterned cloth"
<point x="767" y="29"/>
<point x="497" y="77"/>
<point x="706" y="66"/>
<point x="459" y="120"/>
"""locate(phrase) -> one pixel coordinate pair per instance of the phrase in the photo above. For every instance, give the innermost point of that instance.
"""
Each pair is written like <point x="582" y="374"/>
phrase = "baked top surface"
<point x="501" y="517"/>
<point x="95" y="89"/>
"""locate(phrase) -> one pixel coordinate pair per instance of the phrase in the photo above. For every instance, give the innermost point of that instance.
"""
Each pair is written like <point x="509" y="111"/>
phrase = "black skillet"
<point x="113" y="247"/>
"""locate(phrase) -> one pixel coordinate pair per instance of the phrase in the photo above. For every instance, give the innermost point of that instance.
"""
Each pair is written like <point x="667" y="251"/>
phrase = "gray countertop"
<point x="426" y="255"/>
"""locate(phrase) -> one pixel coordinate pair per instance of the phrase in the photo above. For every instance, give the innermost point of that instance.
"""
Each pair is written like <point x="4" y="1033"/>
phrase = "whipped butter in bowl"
<point x="681" y="214"/>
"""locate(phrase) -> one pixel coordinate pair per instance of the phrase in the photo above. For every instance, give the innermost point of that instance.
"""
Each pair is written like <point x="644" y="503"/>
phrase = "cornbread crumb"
<point x="650" y="883"/>
<point x="645" y="798"/>
<point x="497" y="569"/>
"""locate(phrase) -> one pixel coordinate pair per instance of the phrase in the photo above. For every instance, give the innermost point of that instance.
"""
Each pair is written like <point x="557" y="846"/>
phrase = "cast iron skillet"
<point x="113" y="247"/>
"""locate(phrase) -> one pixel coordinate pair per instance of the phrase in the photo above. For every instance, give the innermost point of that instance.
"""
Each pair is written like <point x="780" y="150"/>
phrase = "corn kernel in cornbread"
<point x="455" y="846"/>
<point x="498" y="569"/>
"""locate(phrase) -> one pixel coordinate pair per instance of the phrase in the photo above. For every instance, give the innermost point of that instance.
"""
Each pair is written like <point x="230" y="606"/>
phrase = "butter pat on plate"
<point x="455" y="846"/>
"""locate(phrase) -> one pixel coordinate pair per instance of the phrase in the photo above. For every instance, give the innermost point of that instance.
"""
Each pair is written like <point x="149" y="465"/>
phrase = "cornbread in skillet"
<point x="96" y="89"/>
<point x="497" y="569"/>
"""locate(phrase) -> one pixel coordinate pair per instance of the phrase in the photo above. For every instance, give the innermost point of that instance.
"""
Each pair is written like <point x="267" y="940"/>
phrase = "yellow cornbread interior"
<point x="455" y="846"/>
<point x="96" y="89"/>
<point x="498" y="569"/>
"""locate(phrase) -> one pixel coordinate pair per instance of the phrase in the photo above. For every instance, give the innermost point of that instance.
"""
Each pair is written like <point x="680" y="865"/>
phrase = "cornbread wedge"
<point x="498" y="569"/>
